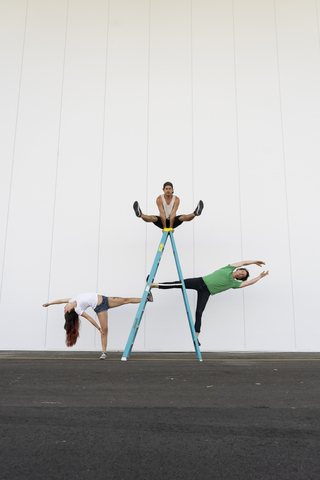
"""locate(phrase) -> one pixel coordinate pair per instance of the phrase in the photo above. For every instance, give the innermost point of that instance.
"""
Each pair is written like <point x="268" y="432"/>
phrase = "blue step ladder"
<point x="166" y="232"/>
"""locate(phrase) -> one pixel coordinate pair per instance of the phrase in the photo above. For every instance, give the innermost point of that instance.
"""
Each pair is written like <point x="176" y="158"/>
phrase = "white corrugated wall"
<point x="101" y="102"/>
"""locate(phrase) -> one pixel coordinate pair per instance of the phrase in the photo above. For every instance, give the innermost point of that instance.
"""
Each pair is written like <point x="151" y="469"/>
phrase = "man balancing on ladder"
<point x="231" y="276"/>
<point x="168" y="205"/>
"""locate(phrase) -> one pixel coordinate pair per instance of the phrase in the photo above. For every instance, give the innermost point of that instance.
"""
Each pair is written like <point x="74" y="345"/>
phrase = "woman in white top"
<point x="76" y="307"/>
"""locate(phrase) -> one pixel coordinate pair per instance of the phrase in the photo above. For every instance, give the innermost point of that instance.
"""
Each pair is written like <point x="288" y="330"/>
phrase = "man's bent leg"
<point x="157" y="222"/>
<point x="187" y="218"/>
<point x="196" y="213"/>
<point x="149" y="218"/>
<point x="203" y="298"/>
<point x="146" y="218"/>
<point x="190" y="284"/>
<point x="167" y="285"/>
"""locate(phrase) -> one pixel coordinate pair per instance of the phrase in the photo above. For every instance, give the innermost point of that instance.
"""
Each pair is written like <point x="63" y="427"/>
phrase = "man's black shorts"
<point x="176" y="222"/>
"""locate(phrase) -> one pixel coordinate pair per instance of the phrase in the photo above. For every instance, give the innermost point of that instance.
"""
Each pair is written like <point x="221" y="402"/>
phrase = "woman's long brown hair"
<point x="71" y="326"/>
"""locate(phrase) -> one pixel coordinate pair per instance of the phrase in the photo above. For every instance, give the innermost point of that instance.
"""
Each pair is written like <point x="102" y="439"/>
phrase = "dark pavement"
<point x="68" y="415"/>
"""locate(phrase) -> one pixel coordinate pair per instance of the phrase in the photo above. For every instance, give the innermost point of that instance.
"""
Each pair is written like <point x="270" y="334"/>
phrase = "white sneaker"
<point x="103" y="356"/>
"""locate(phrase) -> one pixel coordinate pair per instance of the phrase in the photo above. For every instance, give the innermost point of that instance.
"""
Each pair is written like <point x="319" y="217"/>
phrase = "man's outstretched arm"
<point x="161" y="211"/>
<point x="174" y="211"/>
<point x="247" y="262"/>
<point x="254" y="280"/>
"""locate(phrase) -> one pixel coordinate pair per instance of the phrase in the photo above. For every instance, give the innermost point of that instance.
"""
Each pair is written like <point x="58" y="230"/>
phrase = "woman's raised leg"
<point x="118" y="301"/>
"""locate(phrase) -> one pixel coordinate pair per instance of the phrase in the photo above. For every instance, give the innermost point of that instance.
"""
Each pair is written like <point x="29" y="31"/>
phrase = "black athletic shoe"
<point x="198" y="343"/>
<point x="199" y="208"/>
<point x="150" y="296"/>
<point x="137" y="209"/>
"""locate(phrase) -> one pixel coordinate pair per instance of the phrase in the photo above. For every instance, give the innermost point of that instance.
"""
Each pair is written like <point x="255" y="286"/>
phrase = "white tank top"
<point x="168" y="208"/>
<point x="85" y="300"/>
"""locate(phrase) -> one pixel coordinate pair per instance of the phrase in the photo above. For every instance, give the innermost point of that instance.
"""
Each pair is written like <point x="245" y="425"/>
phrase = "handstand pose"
<point x="76" y="306"/>
<point x="218" y="281"/>
<point x="168" y="205"/>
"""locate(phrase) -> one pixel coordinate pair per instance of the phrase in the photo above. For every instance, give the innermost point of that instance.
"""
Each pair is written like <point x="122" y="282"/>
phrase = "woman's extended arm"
<point x="57" y="302"/>
<point x="85" y="315"/>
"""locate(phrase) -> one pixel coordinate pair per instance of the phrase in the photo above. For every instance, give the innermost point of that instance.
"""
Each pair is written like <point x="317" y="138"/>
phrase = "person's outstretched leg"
<point x="191" y="216"/>
<point x="191" y="284"/>
<point x="199" y="208"/>
<point x="203" y="298"/>
<point x="146" y="218"/>
<point x="187" y="218"/>
<point x="166" y="285"/>
<point x="118" y="301"/>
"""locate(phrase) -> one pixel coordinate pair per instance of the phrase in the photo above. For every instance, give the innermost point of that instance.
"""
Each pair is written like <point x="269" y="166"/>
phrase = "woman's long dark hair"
<point x="71" y="326"/>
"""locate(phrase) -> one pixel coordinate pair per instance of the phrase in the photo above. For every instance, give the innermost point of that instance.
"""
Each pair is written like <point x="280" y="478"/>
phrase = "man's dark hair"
<point x="168" y="184"/>
<point x="248" y="275"/>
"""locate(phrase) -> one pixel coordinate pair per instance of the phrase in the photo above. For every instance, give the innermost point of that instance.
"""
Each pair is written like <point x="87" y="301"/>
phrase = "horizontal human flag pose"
<point x="76" y="307"/>
<point x="231" y="276"/>
<point x="168" y="204"/>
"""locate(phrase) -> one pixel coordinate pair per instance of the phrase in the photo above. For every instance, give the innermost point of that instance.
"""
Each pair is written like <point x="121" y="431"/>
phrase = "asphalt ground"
<point x="68" y="415"/>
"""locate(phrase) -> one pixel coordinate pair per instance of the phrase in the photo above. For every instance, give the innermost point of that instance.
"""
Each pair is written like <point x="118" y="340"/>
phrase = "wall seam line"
<point x="285" y="175"/>
<point x="103" y="149"/>
<point x="238" y="160"/>
<point x="147" y="161"/>
<point x="14" y="151"/>
<point x="192" y="131"/>
<point x="57" y="169"/>
<point x="317" y="15"/>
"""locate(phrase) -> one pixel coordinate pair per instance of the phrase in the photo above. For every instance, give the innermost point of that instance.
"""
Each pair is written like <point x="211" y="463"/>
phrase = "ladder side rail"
<point x="142" y="305"/>
<point x="185" y="298"/>
<point x="135" y="326"/>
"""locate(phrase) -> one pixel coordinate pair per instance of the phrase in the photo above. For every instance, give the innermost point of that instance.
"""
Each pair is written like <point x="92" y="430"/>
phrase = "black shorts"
<point x="176" y="222"/>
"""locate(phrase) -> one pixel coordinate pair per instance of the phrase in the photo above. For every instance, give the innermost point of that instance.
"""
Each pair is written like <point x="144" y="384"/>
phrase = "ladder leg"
<point x="185" y="298"/>
<point x="142" y="305"/>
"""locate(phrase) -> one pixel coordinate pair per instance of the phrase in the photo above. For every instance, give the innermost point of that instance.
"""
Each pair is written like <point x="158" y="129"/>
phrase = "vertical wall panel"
<point x="34" y="165"/>
<point x="104" y="100"/>
<point x="170" y="159"/>
<point x="216" y="175"/>
<point x="74" y="265"/>
<point x="299" y="62"/>
<point x="268" y="304"/>
<point x="122" y="240"/>
<point x="12" y="29"/>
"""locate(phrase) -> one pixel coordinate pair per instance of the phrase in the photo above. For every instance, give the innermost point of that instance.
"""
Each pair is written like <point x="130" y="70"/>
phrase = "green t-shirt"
<point x="221" y="280"/>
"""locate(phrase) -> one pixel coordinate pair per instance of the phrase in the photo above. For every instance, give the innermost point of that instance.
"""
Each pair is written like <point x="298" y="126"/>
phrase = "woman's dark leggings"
<point x="203" y="295"/>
